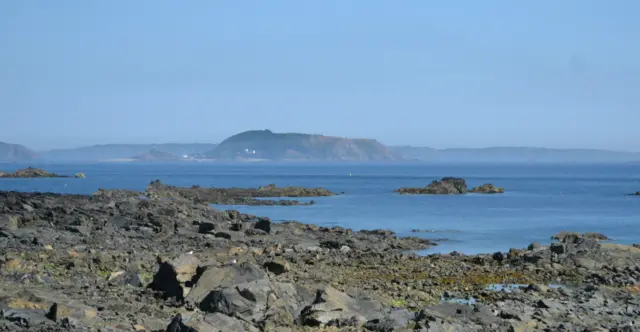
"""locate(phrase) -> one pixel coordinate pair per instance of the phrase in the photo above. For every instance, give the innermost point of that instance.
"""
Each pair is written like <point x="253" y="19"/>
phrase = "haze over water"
<point x="540" y="200"/>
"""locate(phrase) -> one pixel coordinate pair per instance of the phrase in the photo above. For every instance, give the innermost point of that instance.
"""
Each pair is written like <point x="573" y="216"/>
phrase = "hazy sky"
<point x="433" y="73"/>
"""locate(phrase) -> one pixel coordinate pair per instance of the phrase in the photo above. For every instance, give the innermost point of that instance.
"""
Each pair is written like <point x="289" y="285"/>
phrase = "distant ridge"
<point x="311" y="147"/>
<point x="16" y="153"/>
<point x="124" y="151"/>
<point x="514" y="154"/>
<point x="267" y="145"/>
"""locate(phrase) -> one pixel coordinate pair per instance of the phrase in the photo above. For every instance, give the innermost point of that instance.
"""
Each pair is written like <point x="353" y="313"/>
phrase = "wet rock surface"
<point x="450" y="186"/>
<point x="117" y="261"/>
<point x="30" y="172"/>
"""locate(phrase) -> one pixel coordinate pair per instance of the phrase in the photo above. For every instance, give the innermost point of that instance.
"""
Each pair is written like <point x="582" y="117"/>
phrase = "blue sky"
<point x="431" y="73"/>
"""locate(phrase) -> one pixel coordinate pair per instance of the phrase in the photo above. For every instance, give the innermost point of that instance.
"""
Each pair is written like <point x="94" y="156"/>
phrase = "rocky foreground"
<point x="450" y="186"/>
<point x="126" y="261"/>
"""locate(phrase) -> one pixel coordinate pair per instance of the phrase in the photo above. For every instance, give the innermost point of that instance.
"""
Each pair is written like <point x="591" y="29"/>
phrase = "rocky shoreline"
<point x="236" y="196"/>
<point x="30" y="172"/>
<point x="164" y="260"/>
<point x="450" y="186"/>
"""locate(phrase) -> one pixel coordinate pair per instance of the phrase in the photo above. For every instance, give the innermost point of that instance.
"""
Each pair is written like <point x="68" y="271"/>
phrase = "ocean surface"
<point x="540" y="200"/>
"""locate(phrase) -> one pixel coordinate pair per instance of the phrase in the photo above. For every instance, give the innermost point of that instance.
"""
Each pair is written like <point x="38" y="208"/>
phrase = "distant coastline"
<point x="256" y="146"/>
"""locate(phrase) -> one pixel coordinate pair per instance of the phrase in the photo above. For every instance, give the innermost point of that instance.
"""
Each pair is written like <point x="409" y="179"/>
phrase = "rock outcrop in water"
<point x="121" y="261"/>
<point x="450" y="186"/>
<point x="31" y="172"/>
<point x="487" y="188"/>
<point x="237" y="196"/>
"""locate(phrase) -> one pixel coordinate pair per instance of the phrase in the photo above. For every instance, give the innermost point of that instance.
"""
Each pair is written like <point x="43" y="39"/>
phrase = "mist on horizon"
<point x="539" y="74"/>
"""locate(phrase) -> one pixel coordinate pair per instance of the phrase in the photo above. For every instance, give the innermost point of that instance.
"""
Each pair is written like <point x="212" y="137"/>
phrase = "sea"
<point x="540" y="199"/>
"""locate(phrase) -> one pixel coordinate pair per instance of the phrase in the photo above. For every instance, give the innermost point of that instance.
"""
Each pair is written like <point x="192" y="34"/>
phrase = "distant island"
<point x="265" y="145"/>
<point x="259" y="145"/>
<point x="128" y="152"/>
<point x="31" y="172"/>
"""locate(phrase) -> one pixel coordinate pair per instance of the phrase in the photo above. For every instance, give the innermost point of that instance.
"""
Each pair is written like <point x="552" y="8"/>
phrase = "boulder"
<point x="278" y="266"/>
<point x="263" y="225"/>
<point x="243" y="290"/>
<point x="206" y="227"/>
<point x="218" y="278"/>
<point x="334" y="308"/>
<point x="174" y="275"/>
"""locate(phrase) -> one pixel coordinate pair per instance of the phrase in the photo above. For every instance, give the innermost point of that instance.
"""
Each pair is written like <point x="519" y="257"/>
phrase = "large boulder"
<point x="334" y="308"/>
<point x="174" y="277"/>
<point x="244" y="290"/>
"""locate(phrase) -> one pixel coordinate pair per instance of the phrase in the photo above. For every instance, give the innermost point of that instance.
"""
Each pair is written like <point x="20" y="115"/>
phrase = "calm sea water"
<point x="540" y="200"/>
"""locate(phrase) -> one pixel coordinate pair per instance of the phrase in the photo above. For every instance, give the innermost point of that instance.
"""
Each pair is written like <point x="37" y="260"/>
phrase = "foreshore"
<point x="164" y="260"/>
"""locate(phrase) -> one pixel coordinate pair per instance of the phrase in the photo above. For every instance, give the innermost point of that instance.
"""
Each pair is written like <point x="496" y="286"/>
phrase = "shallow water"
<point x="540" y="200"/>
<point x="507" y="288"/>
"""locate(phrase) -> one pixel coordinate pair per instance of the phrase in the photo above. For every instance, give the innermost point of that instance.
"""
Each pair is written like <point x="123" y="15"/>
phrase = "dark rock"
<point x="558" y="248"/>
<point x="216" y="301"/>
<point x="176" y="325"/>
<point x="263" y="225"/>
<point x="53" y="312"/>
<point x="206" y="227"/>
<point x="82" y="230"/>
<point x="498" y="256"/>
<point x="223" y="235"/>
<point x="278" y="266"/>
<point x="236" y="227"/>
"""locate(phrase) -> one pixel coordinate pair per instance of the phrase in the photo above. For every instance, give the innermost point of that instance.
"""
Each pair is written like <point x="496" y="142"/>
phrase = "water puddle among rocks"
<point x="516" y="287"/>
<point x="469" y="300"/>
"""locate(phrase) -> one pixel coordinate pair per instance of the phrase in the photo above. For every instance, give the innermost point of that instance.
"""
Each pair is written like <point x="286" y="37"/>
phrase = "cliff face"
<point x="266" y="145"/>
<point x="15" y="153"/>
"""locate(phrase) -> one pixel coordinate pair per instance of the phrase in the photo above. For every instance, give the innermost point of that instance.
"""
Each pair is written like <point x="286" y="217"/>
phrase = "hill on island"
<point x="16" y="153"/>
<point x="267" y="145"/>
